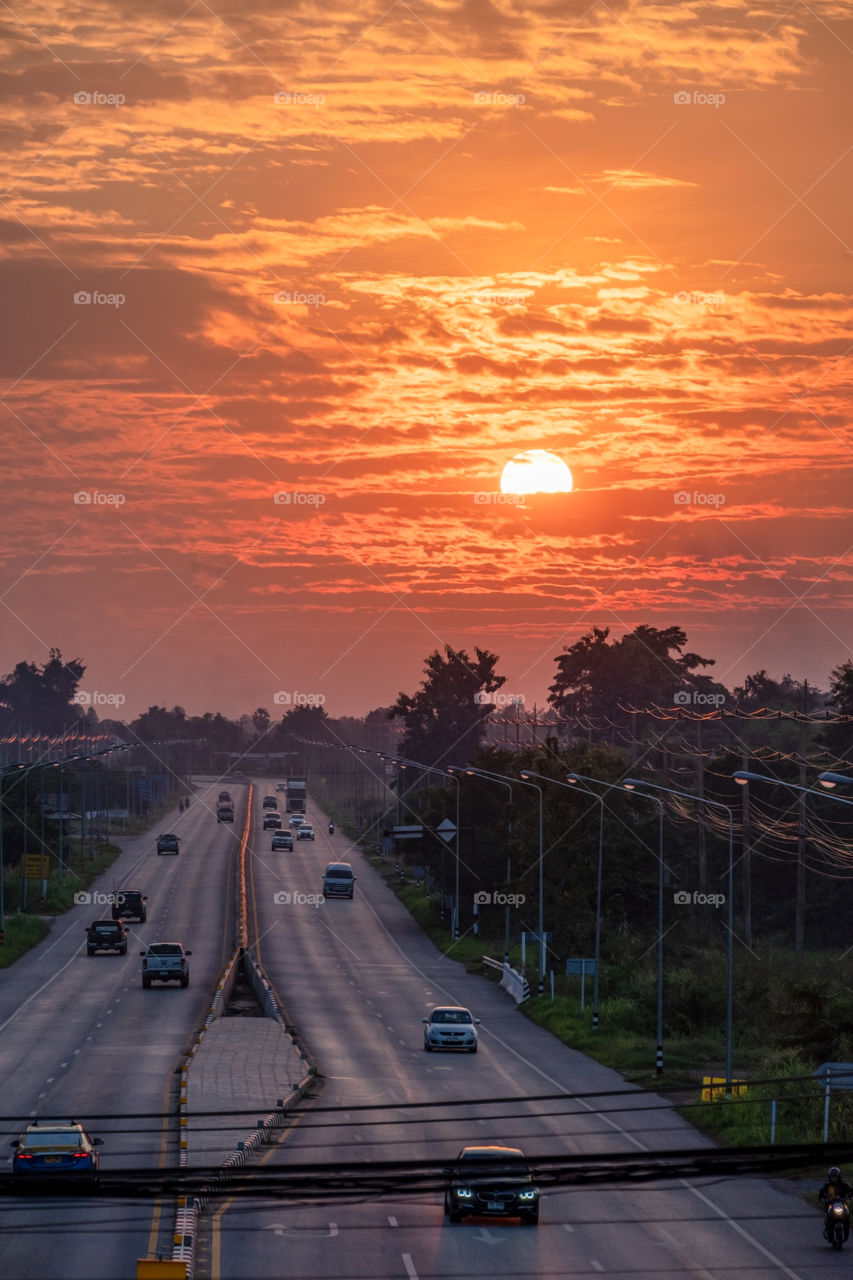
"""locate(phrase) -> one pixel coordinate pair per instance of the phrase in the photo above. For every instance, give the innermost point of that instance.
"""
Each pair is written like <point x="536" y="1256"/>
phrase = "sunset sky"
<point x="361" y="257"/>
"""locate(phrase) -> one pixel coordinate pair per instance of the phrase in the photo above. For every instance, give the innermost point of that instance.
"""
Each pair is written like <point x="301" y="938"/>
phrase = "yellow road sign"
<point x="37" y="866"/>
<point x="714" y="1087"/>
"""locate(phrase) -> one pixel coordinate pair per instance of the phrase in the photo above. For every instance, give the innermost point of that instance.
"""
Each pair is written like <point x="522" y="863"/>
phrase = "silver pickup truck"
<point x="165" y="962"/>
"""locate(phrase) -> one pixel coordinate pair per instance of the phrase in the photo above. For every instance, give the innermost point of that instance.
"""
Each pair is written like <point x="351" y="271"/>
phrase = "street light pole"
<point x="508" y="786"/>
<point x="634" y="783"/>
<point x="570" y="786"/>
<point x="443" y="773"/>
<point x="486" y="773"/>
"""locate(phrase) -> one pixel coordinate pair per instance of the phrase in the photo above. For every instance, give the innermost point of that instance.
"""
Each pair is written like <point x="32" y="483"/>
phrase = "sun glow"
<point x="536" y="471"/>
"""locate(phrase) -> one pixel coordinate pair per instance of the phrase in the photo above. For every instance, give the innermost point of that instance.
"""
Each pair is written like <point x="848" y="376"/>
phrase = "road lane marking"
<point x="392" y="1222"/>
<point x="410" y="1266"/>
<point x="567" y="1227"/>
<point x="588" y="1107"/>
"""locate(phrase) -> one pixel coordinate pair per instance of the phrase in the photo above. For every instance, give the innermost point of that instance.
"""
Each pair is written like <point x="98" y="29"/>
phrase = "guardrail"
<point x="514" y="983"/>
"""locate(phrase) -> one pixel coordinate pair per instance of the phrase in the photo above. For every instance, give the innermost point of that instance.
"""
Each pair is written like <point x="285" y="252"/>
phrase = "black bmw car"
<point x="493" y="1182"/>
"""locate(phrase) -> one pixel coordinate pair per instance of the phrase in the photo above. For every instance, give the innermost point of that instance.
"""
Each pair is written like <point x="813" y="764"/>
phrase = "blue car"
<point x="56" y="1149"/>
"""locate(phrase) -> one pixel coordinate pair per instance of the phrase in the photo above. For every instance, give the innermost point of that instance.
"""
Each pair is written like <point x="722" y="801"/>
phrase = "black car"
<point x="56" y="1149"/>
<point x="129" y="904"/>
<point x="272" y="822"/>
<point x="225" y="813"/>
<point x="270" y="802"/>
<point x="491" y="1181"/>
<point x="168" y="843"/>
<point x="106" y="935"/>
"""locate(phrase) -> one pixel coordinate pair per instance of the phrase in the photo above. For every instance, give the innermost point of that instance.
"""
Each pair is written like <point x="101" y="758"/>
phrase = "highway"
<point x="356" y="977"/>
<point x="79" y="1038"/>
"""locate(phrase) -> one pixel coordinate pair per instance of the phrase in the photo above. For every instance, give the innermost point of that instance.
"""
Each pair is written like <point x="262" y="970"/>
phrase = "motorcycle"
<point x="331" y="828"/>
<point x="836" y="1223"/>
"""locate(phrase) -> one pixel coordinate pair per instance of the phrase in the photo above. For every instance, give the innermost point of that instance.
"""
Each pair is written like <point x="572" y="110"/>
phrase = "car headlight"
<point x="464" y="1193"/>
<point x="527" y="1195"/>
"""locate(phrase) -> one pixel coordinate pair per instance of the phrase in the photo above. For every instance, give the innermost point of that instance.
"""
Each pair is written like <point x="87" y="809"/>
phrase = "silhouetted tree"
<point x="40" y="698"/>
<point x="445" y="720"/>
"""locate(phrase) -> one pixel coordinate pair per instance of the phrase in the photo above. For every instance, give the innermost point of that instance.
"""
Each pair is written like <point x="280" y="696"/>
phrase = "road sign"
<point x="840" y="1074"/>
<point x="580" y="966"/>
<point x="534" y="937"/>
<point x="37" y="866"/>
<point x="446" y="829"/>
<point x="714" y="1087"/>
<point x="408" y="833"/>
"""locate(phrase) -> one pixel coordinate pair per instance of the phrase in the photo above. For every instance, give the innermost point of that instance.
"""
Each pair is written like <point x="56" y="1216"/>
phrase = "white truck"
<point x="165" y="962"/>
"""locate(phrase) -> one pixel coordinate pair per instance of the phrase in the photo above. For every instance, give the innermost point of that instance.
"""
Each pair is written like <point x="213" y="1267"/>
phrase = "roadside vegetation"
<point x="790" y="1018"/>
<point x="28" y="916"/>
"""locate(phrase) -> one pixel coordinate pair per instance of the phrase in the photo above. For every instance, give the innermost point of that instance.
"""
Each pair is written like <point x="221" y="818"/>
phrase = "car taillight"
<point x="81" y="1155"/>
<point x="24" y="1155"/>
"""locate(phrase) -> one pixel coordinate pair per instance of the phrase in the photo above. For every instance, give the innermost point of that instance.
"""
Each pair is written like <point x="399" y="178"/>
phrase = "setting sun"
<point x="536" y="471"/>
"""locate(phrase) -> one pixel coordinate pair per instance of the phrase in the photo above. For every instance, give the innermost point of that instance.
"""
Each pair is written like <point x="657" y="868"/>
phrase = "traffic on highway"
<point x="92" y="1038"/>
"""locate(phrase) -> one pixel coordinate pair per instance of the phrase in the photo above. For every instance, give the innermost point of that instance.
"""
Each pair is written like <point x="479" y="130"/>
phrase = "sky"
<point x="286" y="286"/>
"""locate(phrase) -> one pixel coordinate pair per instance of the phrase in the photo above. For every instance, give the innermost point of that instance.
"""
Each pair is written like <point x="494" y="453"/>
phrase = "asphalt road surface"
<point x="79" y="1038"/>
<point x="357" y="977"/>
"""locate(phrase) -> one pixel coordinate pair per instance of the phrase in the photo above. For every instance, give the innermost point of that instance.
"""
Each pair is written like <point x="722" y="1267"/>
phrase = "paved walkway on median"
<point x="240" y="1063"/>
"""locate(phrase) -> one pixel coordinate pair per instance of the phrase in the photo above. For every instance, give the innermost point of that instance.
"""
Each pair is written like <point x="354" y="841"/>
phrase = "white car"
<point x="450" y="1026"/>
<point x="305" y="831"/>
<point x="297" y="819"/>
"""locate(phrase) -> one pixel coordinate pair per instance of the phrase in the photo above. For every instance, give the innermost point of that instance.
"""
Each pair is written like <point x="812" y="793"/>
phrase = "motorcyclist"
<point x="835" y="1188"/>
<point x="331" y="828"/>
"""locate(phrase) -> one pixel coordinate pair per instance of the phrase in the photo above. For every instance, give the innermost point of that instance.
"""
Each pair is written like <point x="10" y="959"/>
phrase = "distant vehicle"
<point x="331" y="828"/>
<point x="305" y="831"/>
<point x="129" y="904"/>
<point x="282" y="840"/>
<point x="272" y="821"/>
<point x="270" y="802"/>
<point x="168" y="843"/>
<point x="106" y="935"/>
<point x="225" y="813"/>
<point x="297" y="819"/>
<point x="450" y="1027"/>
<point x="165" y="962"/>
<point x="296" y="792"/>
<point x="494" y="1181"/>
<point x="225" y="797"/>
<point x="338" y="880"/>
<point x="56" y="1149"/>
<point x="281" y="786"/>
